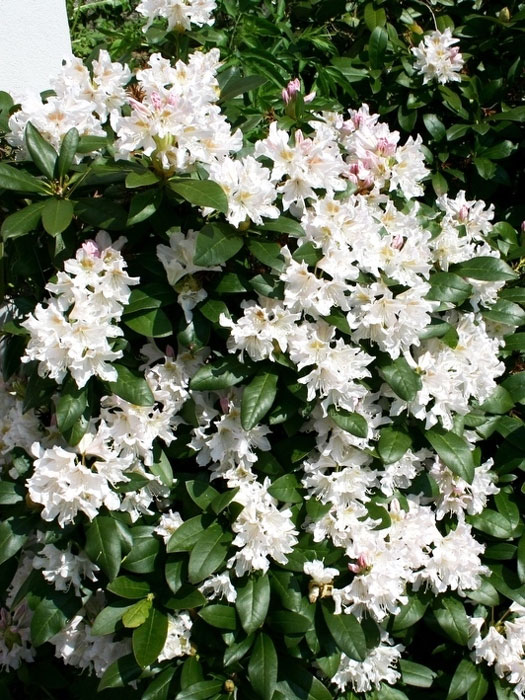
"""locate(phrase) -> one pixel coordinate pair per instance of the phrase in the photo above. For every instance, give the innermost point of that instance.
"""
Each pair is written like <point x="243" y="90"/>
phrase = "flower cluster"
<point x="181" y="14"/>
<point x="75" y="330"/>
<point x="437" y="58"/>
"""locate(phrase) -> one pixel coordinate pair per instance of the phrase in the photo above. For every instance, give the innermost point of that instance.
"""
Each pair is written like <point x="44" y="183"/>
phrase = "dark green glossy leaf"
<point x="398" y="374"/>
<point x="103" y="545"/>
<point x="347" y="634"/>
<point x="221" y="616"/>
<point x="392" y="444"/>
<point x="41" y="151"/>
<point x="201" y="193"/>
<point x="23" y="221"/>
<point x="148" y="640"/>
<point x="131" y="386"/>
<point x="253" y="600"/>
<point x="208" y="553"/>
<point x="257" y="399"/>
<point x="454" y="452"/>
<point x="262" y="668"/>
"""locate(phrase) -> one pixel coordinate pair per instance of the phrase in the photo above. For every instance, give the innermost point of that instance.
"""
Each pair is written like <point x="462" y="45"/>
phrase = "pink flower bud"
<point x="463" y="213"/>
<point x="156" y="100"/>
<point x="170" y="352"/>
<point x="385" y="148"/>
<point x="224" y="404"/>
<point x="291" y="90"/>
<point x="310" y="97"/>
<point x="91" y="248"/>
<point x="398" y="242"/>
<point x="361" y="565"/>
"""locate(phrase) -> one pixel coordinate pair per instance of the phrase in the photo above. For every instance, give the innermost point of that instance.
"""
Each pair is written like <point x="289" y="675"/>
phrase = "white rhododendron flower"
<point x="181" y="14"/>
<point x="437" y="58"/>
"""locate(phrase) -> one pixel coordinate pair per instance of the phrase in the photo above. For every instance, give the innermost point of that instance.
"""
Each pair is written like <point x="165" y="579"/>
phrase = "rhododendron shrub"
<point x="252" y="389"/>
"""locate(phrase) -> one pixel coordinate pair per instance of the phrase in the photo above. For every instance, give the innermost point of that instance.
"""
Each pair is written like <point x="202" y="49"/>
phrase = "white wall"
<point x="34" y="38"/>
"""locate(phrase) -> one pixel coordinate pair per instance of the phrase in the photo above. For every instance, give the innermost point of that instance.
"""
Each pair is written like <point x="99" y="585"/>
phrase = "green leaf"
<point x="127" y="587"/>
<point x="434" y="126"/>
<point x="186" y="598"/>
<point x="22" y="221"/>
<point x="216" y="243"/>
<point x="521" y="559"/>
<point x="410" y="613"/>
<point x="253" y="600"/>
<point x="308" y="253"/>
<point x="439" y="184"/>
<point x="102" y="213"/>
<point x="485" y="268"/>
<point x="498" y="151"/>
<point x="492" y="523"/>
<point x="221" y="616"/>
<point x="109" y="618"/>
<point x="257" y="399"/>
<point x="445" y="286"/>
<point x="208" y="553"/>
<point x="201" y="193"/>
<point x="159" y="688"/>
<point x="457" y="131"/>
<point x="506" y="312"/>
<point x="143" y="205"/>
<point x="200" y="691"/>
<point x="144" y="552"/>
<point x="479" y="688"/>
<point x="201" y="493"/>
<point x="350" y="421"/>
<point x="103" y="545"/>
<point x="42" y="153"/>
<point x="454" y="451"/>
<point x="286" y="489"/>
<point x="416" y="674"/>
<point x="299" y="684"/>
<point x="392" y="444"/>
<point x="347" y="634"/>
<point x="143" y="179"/>
<point x="120" y="673"/>
<point x="485" y="167"/>
<point x="162" y="468"/>
<point x="148" y="640"/>
<point x="235" y="652"/>
<point x="452" y="618"/>
<point x="137" y="614"/>
<point x="20" y="181"/>
<point x="283" y="224"/>
<point x="68" y="149"/>
<point x="150" y="296"/>
<point x="464" y="676"/>
<point x="13" y="535"/>
<point x="51" y="615"/>
<point x="289" y="622"/>
<point x="377" y="47"/>
<point x="187" y="534"/>
<point x="71" y="404"/>
<point x="374" y="17"/>
<point x="267" y="252"/>
<point x="238" y="86"/>
<point x="223" y="500"/>
<point x="401" y="378"/>
<point x="11" y="493"/>
<point x="262" y="668"/>
<point x="131" y="386"/>
<point x="499" y="402"/>
<point x="153" y="323"/>
<point x="220" y="374"/>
